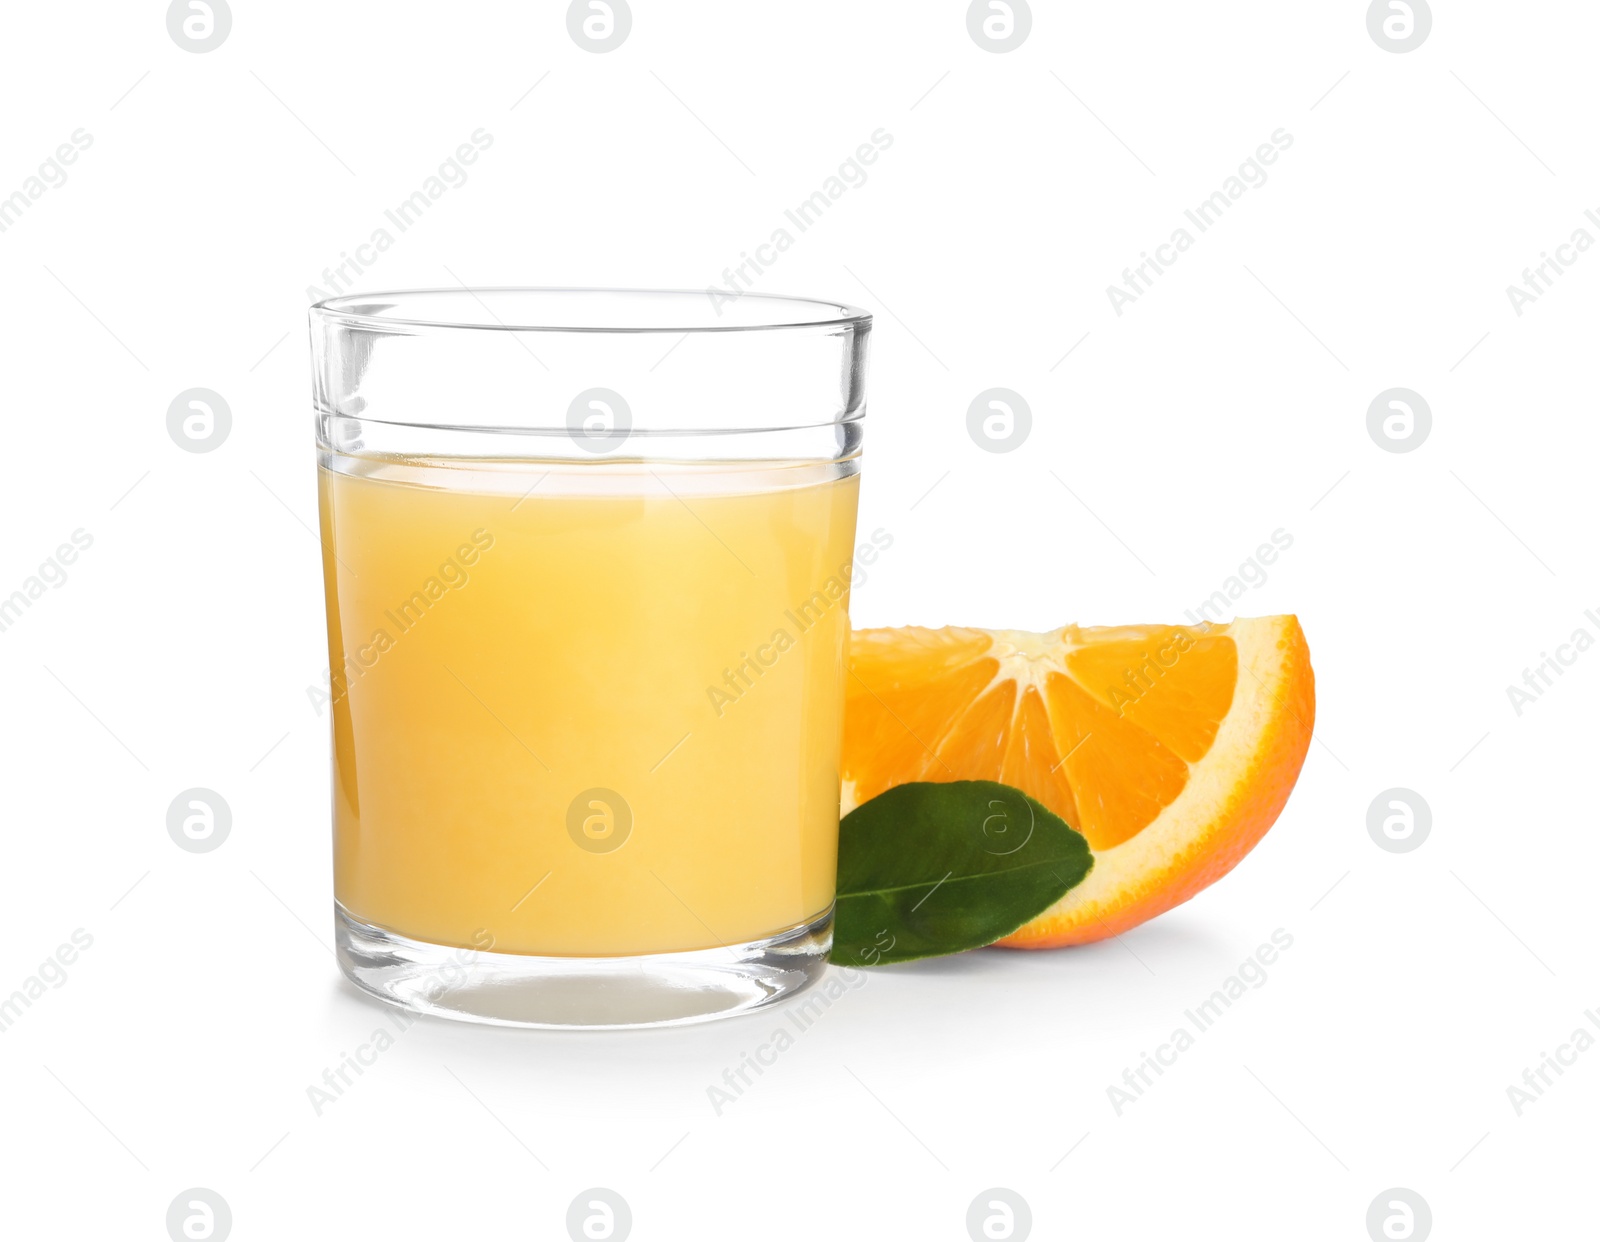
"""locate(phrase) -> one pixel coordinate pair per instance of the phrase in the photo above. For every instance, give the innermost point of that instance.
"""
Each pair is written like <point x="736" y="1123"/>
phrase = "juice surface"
<point x="586" y="710"/>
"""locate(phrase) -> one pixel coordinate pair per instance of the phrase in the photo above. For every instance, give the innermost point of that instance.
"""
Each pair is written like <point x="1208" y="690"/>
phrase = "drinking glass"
<point x="587" y="558"/>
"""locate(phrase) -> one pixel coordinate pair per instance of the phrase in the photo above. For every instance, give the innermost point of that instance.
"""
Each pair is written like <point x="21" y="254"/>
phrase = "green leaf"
<point x="926" y="869"/>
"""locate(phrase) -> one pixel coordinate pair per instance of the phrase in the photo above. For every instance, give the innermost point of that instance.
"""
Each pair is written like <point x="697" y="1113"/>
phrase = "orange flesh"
<point x="1109" y="735"/>
<point x="1107" y="727"/>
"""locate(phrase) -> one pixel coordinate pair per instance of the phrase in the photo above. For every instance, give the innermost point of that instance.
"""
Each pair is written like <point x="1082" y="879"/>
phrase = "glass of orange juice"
<point x="587" y="557"/>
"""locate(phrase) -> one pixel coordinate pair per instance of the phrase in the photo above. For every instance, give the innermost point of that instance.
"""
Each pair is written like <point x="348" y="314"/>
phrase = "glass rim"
<point x="397" y="310"/>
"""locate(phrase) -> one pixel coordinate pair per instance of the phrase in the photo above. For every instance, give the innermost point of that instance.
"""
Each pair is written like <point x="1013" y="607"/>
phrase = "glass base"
<point x="581" y="993"/>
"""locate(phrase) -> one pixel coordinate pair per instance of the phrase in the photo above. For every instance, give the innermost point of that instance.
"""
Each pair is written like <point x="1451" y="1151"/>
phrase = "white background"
<point x="1228" y="402"/>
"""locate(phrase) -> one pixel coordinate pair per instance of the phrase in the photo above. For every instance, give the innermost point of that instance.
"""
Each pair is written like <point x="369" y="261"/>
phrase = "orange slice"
<point x="1171" y="748"/>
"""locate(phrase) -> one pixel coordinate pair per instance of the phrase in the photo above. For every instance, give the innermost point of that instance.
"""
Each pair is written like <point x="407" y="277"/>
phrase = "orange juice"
<point x="586" y="709"/>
